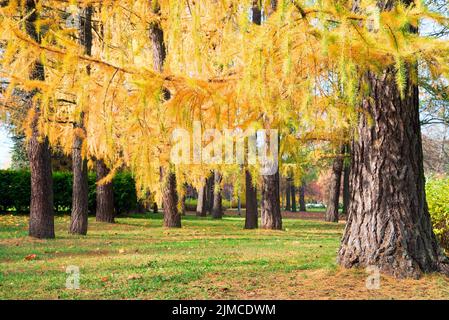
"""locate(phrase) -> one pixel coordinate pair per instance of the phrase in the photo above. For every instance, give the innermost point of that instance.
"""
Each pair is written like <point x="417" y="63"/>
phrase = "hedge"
<point x="15" y="190"/>
<point x="437" y="191"/>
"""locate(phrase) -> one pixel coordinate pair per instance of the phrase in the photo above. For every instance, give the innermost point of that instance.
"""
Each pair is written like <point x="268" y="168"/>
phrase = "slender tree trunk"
<point x="183" y="202"/>
<point x="80" y="211"/>
<point x="201" y="206"/>
<point x="302" y="198"/>
<point x="105" y="195"/>
<point x="210" y="190"/>
<point x="388" y="220"/>
<point x="293" y="194"/>
<point x="79" y="221"/>
<point x="155" y="207"/>
<point x="334" y="190"/>
<point x="287" y="195"/>
<point x="172" y="218"/>
<point x="251" y="217"/>
<point x="169" y="194"/>
<point x="41" y="223"/>
<point x="217" y="208"/>
<point x="346" y="170"/>
<point x="271" y="207"/>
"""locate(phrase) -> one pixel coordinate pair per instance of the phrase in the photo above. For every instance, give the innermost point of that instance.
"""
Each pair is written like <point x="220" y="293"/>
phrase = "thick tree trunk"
<point x="302" y="198"/>
<point x="293" y="194"/>
<point x="41" y="207"/>
<point x="41" y="223"/>
<point x="201" y="206"/>
<point x="105" y="195"/>
<point x="251" y="217"/>
<point x="334" y="190"/>
<point x="172" y="218"/>
<point x="217" y="207"/>
<point x="346" y="171"/>
<point x="287" y="195"/>
<point x="271" y="207"/>
<point x="388" y="220"/>
<point x="80" y="211"/>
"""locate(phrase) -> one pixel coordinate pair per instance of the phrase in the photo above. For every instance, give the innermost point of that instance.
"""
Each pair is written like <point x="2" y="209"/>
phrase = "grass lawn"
<point x="138" y="259"/>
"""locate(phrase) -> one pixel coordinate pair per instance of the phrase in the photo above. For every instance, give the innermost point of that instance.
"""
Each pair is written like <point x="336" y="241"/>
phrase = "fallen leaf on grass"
<point x="30" y="257"/>
<point x="134" y="276"/>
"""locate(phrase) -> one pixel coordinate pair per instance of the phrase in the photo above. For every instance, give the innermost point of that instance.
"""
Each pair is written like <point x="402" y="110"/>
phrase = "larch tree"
<point x="271" y="217"/>
<point x="104" y="189"/>
<point x="80" y="211"/>
<point x="251" y="211"/>
<point x="39" y="154"/>
<point x="172" y="217"/>
<point x="388" y="219"/>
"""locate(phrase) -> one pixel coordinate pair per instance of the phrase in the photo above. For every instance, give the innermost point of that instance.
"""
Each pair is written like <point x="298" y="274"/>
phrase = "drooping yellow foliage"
<point x="299" y="72"/>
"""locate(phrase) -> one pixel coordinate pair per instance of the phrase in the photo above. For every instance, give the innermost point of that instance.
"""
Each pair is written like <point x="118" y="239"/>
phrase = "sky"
<point x="5" y="148"/>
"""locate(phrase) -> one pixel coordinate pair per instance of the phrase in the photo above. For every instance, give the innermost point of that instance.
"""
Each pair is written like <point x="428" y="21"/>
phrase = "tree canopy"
<point x="301" y="71"/>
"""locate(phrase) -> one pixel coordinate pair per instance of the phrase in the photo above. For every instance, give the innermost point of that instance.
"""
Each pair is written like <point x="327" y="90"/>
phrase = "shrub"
<point x="125" y="195"/>
<point x="62" y="191"/>
<point x="191" y="204"/>
<point x="15" y="191"/>
<point x="437" y="190"/>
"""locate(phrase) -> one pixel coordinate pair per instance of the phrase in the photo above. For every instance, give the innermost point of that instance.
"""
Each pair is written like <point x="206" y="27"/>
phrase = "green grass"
<point x="138" y="259"/>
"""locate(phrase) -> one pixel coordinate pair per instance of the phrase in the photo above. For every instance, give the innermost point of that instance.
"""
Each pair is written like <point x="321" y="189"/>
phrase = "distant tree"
<point x="334" y="189"/>
<point x="19" y="155"/>
<point x="217" y="207"/>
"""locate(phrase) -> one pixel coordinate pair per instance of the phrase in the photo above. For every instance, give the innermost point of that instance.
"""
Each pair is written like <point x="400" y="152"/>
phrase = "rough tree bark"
<point x="105" y="195"/>
<point x="388" y="220"/>
<point x="172" y="218"/>
<point x="80" y="211"/>
<point x="217" y="207"/>
<point x="41" y="223"/>
<point x="251" y="217"/>
<point x="302" y="198"/>
<point x="346" y="170"/>
<point x="334" y="190"/>
<point x="271" y="207"/>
